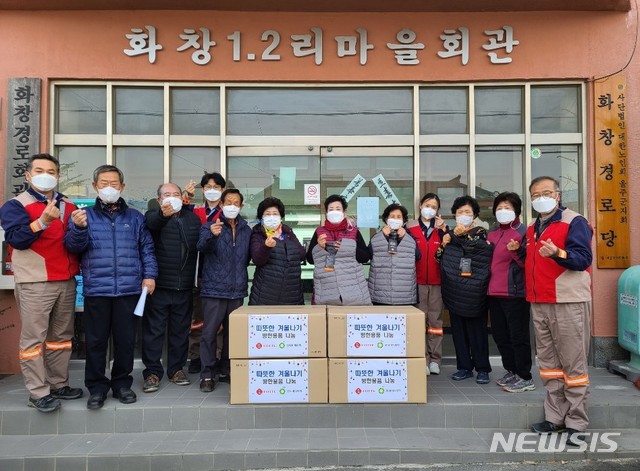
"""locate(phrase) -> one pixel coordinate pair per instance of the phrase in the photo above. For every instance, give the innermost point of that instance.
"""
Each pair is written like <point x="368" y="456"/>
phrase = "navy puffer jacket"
<point x="224" y="274"/>
<point x="278" y="270"/>
<point x="116" y="251"/>
<point x="466" y="296"/>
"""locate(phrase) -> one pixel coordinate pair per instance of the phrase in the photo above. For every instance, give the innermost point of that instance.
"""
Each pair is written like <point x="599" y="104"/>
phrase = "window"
<point x="500" y="156"/>
<point x="477" y="139"/>
<point x="313" y="112"/>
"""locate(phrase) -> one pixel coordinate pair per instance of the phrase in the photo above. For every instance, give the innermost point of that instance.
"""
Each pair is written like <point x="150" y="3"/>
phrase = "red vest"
<point x="47" y="259"/>
<point x="546" y="281"/>
<point x="201" y="212"/>
<point x="427" y="268"/>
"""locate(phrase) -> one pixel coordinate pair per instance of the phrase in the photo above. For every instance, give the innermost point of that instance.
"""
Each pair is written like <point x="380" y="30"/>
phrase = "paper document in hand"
<point x="140" y="306"/>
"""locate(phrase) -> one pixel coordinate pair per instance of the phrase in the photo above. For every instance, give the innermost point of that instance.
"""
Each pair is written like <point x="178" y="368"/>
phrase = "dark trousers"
<point x="471" y="340"/>
<point x="104" y="318"/>
<point x="510" y="328"/>
<point x="169" y="312"/>
<point x="216" y="312"/>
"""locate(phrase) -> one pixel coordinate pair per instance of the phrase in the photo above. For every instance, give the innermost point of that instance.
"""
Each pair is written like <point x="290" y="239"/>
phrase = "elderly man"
<point x="558" y="285"/>
<point x="175" y="232"/>
<point x="45" y="285"/>
<point x="118" y="261"/>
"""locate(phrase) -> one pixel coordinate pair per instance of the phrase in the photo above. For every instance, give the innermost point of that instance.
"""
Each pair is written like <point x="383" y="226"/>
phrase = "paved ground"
<point x="180" y="428"/>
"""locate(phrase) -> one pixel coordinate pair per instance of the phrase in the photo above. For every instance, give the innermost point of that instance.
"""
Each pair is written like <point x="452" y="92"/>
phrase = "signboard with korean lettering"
<point x="278" y="335"/>
<point x="278" y="381"/>
<point x="377" y="380"/>
<point x="611" y="173"/>
<point x="376" y="335"/>
<point x="23" y="131"/>
<point x="405" y="47"/>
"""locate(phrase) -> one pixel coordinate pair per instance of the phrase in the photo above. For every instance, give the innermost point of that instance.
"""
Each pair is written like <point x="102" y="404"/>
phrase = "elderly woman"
<point x="392" y="278"/>
<point x="277" y="254"/>
<point x="465" y="257"/>
<point x="508" y="308"/>
<point x="337" y="251"/>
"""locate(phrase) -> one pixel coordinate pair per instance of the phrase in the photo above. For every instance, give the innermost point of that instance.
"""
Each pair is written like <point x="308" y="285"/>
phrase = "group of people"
<point x="193" y="262"/>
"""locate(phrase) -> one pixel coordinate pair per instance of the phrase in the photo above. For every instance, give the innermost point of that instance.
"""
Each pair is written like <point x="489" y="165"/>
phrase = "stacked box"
<point x="278" y="354"/>
<point x="376" y="354"/>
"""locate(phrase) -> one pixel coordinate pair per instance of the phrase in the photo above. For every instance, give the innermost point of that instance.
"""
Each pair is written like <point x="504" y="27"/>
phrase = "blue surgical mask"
<point x="271" y="222"/>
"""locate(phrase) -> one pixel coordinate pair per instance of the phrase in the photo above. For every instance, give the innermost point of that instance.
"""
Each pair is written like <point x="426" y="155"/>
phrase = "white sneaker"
<point x="434" y="368"/>
<point x="428" y="372"/>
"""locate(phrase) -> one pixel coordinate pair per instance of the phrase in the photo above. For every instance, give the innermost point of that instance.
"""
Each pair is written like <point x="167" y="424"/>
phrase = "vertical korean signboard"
<point x="611" y="178"/>
<point x="23" y="131"/>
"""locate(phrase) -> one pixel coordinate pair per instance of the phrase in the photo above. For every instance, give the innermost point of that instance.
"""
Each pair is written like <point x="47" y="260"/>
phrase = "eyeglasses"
<point x="546" y="194"/>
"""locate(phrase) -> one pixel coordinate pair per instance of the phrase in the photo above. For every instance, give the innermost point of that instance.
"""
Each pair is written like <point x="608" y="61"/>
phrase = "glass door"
<point x="302" y="177"/>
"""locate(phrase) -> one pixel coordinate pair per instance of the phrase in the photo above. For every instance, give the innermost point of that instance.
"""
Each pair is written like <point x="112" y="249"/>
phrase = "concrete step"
<point x="280" y="448"/>
<point x="614" y="403"/>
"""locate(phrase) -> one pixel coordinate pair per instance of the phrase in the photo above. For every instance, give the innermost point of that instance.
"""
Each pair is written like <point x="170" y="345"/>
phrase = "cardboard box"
<point x="10" y="325"/>
<point x="271" y="381"/>
<point x="278" y="332"/>
<point x="377" y="380"/>
<point x="376" y="331"/>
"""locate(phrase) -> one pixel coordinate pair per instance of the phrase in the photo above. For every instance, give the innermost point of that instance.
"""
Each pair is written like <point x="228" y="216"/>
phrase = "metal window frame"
<point x="224" y="142"/>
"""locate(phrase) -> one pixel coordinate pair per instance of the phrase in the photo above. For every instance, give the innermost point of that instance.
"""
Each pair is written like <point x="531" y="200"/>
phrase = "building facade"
<point x="381" y="101"/>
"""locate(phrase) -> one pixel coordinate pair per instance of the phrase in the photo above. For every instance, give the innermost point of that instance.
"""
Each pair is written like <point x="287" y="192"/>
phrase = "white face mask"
<point x="44" y="182"/>
<point x="231" y="211"/>
<point x="464" y="220"/>
<point x="108" y="194"/>
<point x="505" y="216"/>
<point x="395" y="224"/>
<point x="212" y="195"/>
<point x="271" y="222"/>
<point x="176" y="202"/>
<point x="428" y="213"/>
<point x="544" y="204"/>
<point x="335" y="216"/>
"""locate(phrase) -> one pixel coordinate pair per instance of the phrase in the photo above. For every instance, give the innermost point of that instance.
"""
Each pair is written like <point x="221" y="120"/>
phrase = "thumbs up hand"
<point x="216" y="228"/>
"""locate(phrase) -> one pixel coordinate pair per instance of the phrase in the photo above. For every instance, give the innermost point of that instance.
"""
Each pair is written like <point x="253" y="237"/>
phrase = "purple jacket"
<point x="507" y="267"/>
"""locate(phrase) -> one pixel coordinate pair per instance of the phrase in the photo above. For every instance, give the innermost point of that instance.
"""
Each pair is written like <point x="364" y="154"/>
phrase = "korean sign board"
<point x="23" y="131"/>
<point x="612" y="177"/>
<point x="408" y="48"/>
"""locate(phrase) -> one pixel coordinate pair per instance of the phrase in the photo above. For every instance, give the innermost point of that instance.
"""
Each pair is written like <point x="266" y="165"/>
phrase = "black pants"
<point x="471" y="340"/>
<point x="216" y="312"/>
<point x="169" y="312"/>
<point x="104" y="318"/>
<point x="510" y="328"/>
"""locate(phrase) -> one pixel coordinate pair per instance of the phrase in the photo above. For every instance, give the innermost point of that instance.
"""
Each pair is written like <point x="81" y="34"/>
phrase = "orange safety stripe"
<point x="435" y="331"/>
<point x="66" y="345"/>
<point x="36" y="226"/>
<point x="197" y="325"/>
<point x="574" y="381"/>
<point x="551" y="374"/>
<point x="31" y="354"/>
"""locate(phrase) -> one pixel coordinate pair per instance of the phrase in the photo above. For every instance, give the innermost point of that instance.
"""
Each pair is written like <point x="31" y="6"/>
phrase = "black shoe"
<point x="207" y="385"/>
<point x="195" y="365"/>
<point x="67" y="393"/>
<point x="126" y="395"/>
<point x="462" y="374"/>
<point x="96" y="400"/>
<point x="224" y="379"/>
<point x="47" y="403"/>
<point x="575" y="437"/>
<point x="547" y="427"/>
